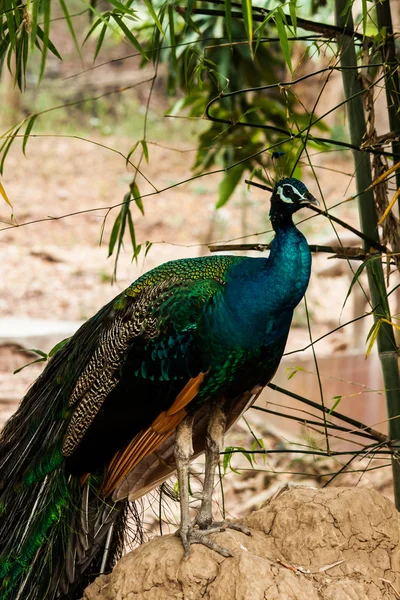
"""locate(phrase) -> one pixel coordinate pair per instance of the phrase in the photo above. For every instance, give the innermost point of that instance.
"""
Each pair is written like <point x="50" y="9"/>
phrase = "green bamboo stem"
<point x="369" y="225"/>
<point x="392" y="79"/>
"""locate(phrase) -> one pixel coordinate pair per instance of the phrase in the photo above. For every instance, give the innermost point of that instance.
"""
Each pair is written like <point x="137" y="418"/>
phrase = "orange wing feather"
<point x="148" y="440"/>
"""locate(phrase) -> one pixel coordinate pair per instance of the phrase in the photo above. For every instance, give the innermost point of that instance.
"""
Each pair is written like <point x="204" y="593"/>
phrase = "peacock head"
<point x="288" y="196"/>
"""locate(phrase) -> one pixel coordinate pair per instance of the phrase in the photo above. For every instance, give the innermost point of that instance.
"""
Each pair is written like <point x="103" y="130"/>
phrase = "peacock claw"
<point x="199" y="536"/>
<point x="230" y="525"/>
<point x="223" y="525"/>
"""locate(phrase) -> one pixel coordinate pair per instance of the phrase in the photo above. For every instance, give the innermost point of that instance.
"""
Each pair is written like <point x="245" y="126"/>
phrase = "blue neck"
<point x="261" y="294"/>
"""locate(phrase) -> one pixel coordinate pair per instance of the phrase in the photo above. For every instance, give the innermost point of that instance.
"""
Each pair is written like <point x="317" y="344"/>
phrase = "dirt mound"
<point x="306" y="544"/>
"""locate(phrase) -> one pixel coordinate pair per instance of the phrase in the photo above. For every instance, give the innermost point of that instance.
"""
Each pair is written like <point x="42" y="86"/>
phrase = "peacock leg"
<point x="183" y="453"/>
<point x="213" y="448"/>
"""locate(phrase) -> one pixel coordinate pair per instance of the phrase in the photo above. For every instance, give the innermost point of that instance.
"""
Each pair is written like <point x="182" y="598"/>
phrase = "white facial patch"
<point x="282" y="194"/>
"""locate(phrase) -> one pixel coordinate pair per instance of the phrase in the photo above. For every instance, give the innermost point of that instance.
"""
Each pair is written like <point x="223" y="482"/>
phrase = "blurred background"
<point x="66" y="192"/>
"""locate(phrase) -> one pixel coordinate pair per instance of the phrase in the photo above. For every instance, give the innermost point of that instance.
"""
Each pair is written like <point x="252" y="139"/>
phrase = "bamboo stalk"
<point x="392" y="80"/>
<point x="369" y="225"/>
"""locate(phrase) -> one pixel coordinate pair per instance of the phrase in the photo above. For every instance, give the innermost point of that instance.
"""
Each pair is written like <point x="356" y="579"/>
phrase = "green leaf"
<point x="50" y="45"/>
<point x="94" y="27"/>
<point x="347" y="8"/>
<point x="228" y="184"/>
<point x="34" y="22"/>
<point x="293" y="370"/>
<point x="46" y="7"/>
<point x="293" y="15"/>
<point x="337" y="400"/>
<point x="279" y="16"/>
<point x="372" y="335"/>
<point x="37" y="360"/>
<point x="58" y="346"/>
<point x="188" y="12"/>
<point x="228" y="19"/>
<point x="7" y="145"/>
<point x="246" y="454"/>
<point x="137" y="197"/>
<point x="228" y="453"/>
<point x="114" y="234"/>
<point x="145" y="151"/>
<point x="129" y="34"/>
<point x="354" y="280"/>
<point x="36" y="351"/>
<point x="70" y="26"/>
<point x="248" y="22"/>
<point x="28" y="130"/>
<point x="100" y="41"/>
<point x="154" y="16"/>
<point x="364" y="16"/>
<point x="131" y="151"/>
<point x="132" y="230"/>
<point x="172" y="36"/>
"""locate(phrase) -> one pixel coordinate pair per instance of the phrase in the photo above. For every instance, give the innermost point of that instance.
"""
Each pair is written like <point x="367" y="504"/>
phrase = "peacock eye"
<point x="288" y="191"/>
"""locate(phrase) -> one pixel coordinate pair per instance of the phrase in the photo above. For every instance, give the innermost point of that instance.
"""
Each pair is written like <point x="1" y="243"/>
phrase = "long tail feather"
<point x="52" y="528"/>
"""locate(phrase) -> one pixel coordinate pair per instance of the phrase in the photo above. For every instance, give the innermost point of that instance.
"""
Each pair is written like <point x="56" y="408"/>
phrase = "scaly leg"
<point x="213" y="448"/>
<point x="214" y="445"/>
<point x="183" y="453"/>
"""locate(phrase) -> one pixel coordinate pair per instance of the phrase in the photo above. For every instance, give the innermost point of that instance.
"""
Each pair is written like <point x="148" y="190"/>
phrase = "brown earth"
<point x="305" y="544"/>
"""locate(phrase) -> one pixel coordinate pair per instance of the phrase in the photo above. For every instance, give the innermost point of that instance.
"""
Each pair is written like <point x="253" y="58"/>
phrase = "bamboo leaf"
<point x="129" y="34"/>
<point x="145" y="150"/>
<point x="337" y="400"/>
<point x="389" y="207"/>
<point x="50" y="45"/>
<point x="228" y="184"/>
<point x="34" y="22"/>
<point x="11" y="28"/>
<point x="226" y="461"/>
<point x="137" y="197"/>
<point x="58" y="346"/>
<point x="228" y="19"/>
<point x="6" y="147"/>
<point x="372" y="335"/>
<point x="70" y="26"/>
<point x="132" y="231"/>
<point x="354" y="280"/>
<point x="154" y="16"/>
<point x="114" y="234"/>
<point x="291" y="371"/>
<point x="293" y="15"/>
<point x="188" y="12"/>
<point x="172" y="36"/>
<point x="131" y="151"/>
<point x="37" y="360"/>
<point x="28" y="130"/>
<point x="248" y="22"/>
<point x="364" y="16"/>
<point x="100" y="41"/>
<point x="46" y="6"/>
<point x="3" y="193"/>
<point x="94" y="27"/>
<point x="279" y="16"/>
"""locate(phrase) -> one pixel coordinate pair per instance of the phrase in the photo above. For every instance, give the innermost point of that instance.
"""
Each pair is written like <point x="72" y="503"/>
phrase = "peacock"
<point x="148" y="383"/>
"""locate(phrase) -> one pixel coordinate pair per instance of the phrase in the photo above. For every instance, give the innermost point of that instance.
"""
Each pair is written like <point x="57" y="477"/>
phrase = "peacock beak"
<point x="309" y="199"/>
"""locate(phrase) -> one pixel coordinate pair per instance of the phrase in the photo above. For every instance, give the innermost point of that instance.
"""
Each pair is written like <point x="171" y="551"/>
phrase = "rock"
<point x="306" y="544"/>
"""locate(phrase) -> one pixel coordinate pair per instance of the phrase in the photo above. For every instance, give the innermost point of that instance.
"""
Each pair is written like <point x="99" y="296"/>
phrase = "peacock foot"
<point x="193" y="535"/>
<point x="206" y="523"/>
<point x="199" y="535"/>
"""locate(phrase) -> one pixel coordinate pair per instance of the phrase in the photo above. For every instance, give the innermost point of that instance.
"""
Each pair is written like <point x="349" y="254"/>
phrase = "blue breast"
<point x="256" y="306"/>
